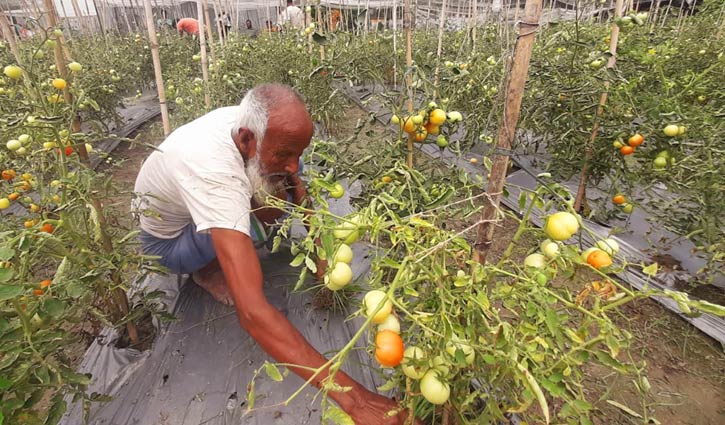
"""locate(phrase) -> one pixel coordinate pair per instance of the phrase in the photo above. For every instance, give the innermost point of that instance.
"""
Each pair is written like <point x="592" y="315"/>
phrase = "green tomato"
<point x="337" y="191"/>
<point x="372" y="301"/>
<point x="415" y="355"/>
<point x="340" y="276"/>
<point x="343" y="254"/>
<point x="433" y="389"/>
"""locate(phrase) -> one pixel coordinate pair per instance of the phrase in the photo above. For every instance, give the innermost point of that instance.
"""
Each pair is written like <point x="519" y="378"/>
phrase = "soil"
<point x="685" y="368"/>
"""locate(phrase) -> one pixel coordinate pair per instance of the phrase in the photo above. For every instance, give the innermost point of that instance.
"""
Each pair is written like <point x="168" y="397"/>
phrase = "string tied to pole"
<point x="533" y="25"/>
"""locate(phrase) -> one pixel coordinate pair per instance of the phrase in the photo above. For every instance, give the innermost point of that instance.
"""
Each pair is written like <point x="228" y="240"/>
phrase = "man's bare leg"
<point x="211" y="278"/>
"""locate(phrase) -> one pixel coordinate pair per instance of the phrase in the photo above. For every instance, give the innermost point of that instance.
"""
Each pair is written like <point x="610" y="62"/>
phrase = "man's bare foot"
<point x="213" y="282"/>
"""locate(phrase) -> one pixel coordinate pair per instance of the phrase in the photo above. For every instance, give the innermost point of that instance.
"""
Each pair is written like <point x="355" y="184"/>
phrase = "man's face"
<point x="289" y="131"/>
<point x="249" y="24"/>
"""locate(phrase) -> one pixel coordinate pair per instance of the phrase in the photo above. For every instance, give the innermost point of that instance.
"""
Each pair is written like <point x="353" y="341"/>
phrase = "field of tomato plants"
<point x="469" y="313"/>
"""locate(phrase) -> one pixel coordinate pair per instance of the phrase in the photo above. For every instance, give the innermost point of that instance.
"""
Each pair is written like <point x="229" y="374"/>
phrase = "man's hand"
<point x="373" y="410"/>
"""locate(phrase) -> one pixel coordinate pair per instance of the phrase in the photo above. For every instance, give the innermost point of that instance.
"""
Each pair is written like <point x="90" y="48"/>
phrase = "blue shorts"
<point x="191" y="250"/>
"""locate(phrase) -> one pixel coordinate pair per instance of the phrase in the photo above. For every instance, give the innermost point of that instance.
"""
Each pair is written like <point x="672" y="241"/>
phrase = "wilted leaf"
<point x="650" y="270"/>
<point x="272" y="371"/>
<point x="338" y="416"/>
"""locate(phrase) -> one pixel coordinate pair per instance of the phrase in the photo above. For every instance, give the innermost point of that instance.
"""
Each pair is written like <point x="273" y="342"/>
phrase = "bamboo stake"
<point x="79" y="16"/>
<point x="125" y="17"/>
<point x="581" y="201"/>
<point x="154" y="42"/>
<point x="475" y="22"/>
<point x="441" y="26"/>
<point x="202" y="43"/>
<point x="9" y="35"/>
<point x="212" y="52"/>
<point x="395" y="44"/>
<point x="512" y="109"/>
<point x="219" y="23"/>
<point x="407" y="23"/>
<point x="664" y="15"/>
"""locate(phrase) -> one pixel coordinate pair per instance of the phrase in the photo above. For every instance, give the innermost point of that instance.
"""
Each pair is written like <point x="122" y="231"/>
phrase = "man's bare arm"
<point x="280" y="339"/>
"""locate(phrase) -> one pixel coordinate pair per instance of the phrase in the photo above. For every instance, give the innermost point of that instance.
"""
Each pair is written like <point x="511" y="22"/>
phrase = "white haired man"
<point x="201" y="185"/>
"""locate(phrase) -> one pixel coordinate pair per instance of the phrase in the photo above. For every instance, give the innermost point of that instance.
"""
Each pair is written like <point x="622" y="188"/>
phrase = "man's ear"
<point x="246" y="142"/>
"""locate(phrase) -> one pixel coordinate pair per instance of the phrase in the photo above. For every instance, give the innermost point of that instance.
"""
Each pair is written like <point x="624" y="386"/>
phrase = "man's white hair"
<point x="256" y="104"/>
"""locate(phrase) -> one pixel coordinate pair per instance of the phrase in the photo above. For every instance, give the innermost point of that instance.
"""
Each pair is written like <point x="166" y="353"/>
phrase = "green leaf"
<point x="711" y="308"/>
<point x="610" y="361"/>
<point x="251" y="396"/>
<point x="299" y="259"/>
<point x="301" y="280"/>
<point x="272" y="371"/>
<point x="4" y="383"/>
<point x="6" y="274"/>
<point x="338" y="416"/>
<point x="6" y="254"/>
<point x="310" y="263"/>
<point x="534" y="388"/>
<point x="388" y="386"/>
<point x="10" y="291"/>
<point x="56" y="410"/>
<point x="53" y="306"/>
<point x="650" y="270"/>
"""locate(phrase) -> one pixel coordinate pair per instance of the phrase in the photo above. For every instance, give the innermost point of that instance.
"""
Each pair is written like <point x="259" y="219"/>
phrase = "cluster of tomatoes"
<point x="632" y="144"/>
<point x="391" y="352"/>
<point x="428" y="122"/>
<point x="621" y="201"/>
<point x="19" y="192"/>
<point x="561" y="226"/>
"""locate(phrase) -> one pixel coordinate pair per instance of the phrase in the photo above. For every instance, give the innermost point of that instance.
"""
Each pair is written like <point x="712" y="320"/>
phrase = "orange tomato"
<point x="599" y="259"/>
<point x="37" y="292"/>
<point x="409" y="125"/>
<point x="47" y="228"/>
<point x="13" y="196"/>
<point x="636" y="140"/>
<point x="619" y="199"/>
<point x="388" y="348"/>
<point x="420" y="135"/>
<point x="432" y="129"/>
<point x="45" y="283"/>
<point x="8" y="175"/>
<point x="626" y="150"/>
<point x="437" y="117"/>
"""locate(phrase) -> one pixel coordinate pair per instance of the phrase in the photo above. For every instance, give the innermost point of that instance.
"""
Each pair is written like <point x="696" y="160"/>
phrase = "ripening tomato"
<point x="599" y="259"/>
<point x="437" y="117"/>
<point x="47" y="228"/>
<point x="45" y="283"/>
<point x="626" y="150"/>
<point x="619" y="199"/>
<point x="636" y="140"/>
<point x="388" y="348"/>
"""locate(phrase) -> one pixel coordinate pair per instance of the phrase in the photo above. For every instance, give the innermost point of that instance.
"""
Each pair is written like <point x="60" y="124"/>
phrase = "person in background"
<point x="292" y="16"/>
<point x="227" y="20"/>
<point x="188" y="26"/>
<point x="249" y="30"/>
<point x="220" y="26"/>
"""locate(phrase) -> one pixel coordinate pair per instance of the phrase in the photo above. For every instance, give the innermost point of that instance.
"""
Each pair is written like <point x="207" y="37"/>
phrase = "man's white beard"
<point x="261" y="187"/>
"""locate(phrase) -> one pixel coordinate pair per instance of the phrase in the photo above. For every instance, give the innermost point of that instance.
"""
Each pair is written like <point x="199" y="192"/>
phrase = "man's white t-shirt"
<point x="196" y="175"/>
<point x="294" y="16"/>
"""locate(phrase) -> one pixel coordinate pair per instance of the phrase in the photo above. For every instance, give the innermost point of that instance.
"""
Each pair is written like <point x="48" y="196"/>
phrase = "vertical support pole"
<point x="204" y="62"/>
<point x="408" y="23"/>
<point x="441" y="27"/>
<point x="512" y="109"/>
<point x="151" y="26"/>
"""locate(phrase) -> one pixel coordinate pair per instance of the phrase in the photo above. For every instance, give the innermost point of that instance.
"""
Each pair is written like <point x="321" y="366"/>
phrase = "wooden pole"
<point x="9" y="35"/>
<point x="512" y="109"/>
<point x="125" y="17"/>
<point x="441" y="26"/>
<point x="202" y="44"/>
<point x="157" y="65"/>
<point x="212" y="52"/>
<point x="475" y="22"/>
<point x="408" y="23"/>
<point x="79" y="16"/>
<point x="580" y="202"/>
<point x="395" y="44"/>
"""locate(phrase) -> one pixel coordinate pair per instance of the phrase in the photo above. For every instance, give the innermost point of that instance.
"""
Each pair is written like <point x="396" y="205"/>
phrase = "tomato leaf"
<point x="251" y="396"/>
<point x="6" y="254"/>
<point x="4" y="383"/>
<point x="338" y="416"/>
<point x="650" y="270"/>
<point x="9" y="291"/>
<point x="272" y="371"/>
<point x="298" y="260"/>
<point x="310" y="263"/>
<point x="6" y="274"/>
<point x="56" y="410"/>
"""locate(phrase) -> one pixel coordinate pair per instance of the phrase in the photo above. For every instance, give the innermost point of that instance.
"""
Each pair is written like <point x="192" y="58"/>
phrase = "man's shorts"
<point x="191" y="250"/>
